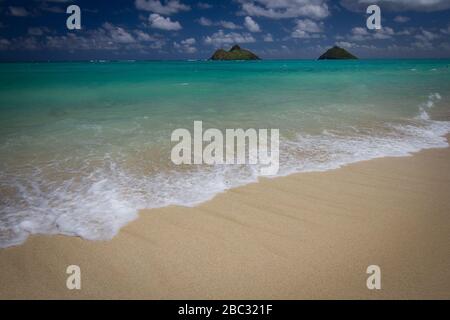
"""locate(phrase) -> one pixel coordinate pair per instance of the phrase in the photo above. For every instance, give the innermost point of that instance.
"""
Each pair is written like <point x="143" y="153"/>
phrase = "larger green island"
<point x="236" y="53"/>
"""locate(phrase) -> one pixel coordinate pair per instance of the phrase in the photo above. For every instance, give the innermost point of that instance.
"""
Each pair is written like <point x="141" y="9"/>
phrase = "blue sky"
<point x="185" y="29"/>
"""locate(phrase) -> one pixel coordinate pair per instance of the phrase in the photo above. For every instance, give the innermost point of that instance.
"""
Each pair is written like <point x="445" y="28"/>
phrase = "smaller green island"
<point x="337" y="53"/>
<point x="235" y="53"/>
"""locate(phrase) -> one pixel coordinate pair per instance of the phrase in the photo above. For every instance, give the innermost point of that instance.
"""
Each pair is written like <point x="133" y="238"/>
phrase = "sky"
<point x="35" y="30"/>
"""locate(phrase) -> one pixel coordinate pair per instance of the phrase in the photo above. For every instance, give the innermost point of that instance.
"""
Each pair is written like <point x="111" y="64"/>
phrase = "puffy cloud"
<point x="351" y="45"/>
<point x="189" y="41"/>
<point x="401" y="19"/>
<point x="307" y="28"/>
<point x="228" y="25"/>
<point x="205" y="22"/>
<point x="186" y="45"/>
<point x="204" y="5"/>
<point x="279" y="9"/>
<point x="362" y="34"/>
<point x="221" y="38"/>
<point x="118" y="34"/>
<point x="37" y="31"/>
<point x="268" y="38"/>
<point x="18" y="11"/>
<point x="360" y="31"/>
<point x="418" y="39"/>
<point x="167" y="7"/>
<point x="4" y="44"/>
<point x="426" y="36"/>
<point x="251" y="25"/>
<point x="345" y="44"/>
<point x="224" y="24"/>
<point x="148" y="40"/>
<point x="446" y="31"/>
<point x="159" y="22"/>
<point x="107" y="37"/>
<point x="52" y="9"/>
<point x="398" y="5"/>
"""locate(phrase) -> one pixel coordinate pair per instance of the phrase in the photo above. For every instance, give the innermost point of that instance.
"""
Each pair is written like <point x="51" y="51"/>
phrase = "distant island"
<point x="236" y="53"/>
<point x="337" y="53"/>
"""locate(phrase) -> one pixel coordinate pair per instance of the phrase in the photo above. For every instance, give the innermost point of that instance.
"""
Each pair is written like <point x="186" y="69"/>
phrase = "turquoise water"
<point x="84" y="146"/>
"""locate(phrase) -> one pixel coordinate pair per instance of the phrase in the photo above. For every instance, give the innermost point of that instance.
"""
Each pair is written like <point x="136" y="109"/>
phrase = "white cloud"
<point x="118" y="34"/>
<point x="224" y="24"/>
<point x="307" y="28"/>
<point x="384" y="33"/>
<point x="251" y="25"/>
<point x="108" y="37"/>
<point x="189" y="41"/>
<point x="423" y="45"/>
<point x="167" y="7"/>
<point x="426" y="36"/>
<point x="446" y="31"/>
<point x="401" y="19"/>
<point x="405" y="32"/>
<point x="362" y="34"/>
<point x="422" y="39"/>
<point x="345" y="44"/>
<point x="37" y="31"/>
<point x="205" y="22"/>
<point x="359" y="31"/>
<point x="268" y="38"/>
<point x="204" y="5"/>
<point x="186" y="46"/>
<point x="228" y="25"/>
<point x="398" y="5"/>
<point x="4" y="44"/>
<point x="351" y="45"/>
<point x="18" y="11"/>
<point x="221" y="38"/>
<point x="159" y="22"/>
<point x="280" y="9"/>
<point x="143" y="36"/>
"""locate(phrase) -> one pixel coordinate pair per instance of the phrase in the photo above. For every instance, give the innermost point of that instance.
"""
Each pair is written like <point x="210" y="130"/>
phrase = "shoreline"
<point x="136" y="213"/>
<point x="302" y="236"/>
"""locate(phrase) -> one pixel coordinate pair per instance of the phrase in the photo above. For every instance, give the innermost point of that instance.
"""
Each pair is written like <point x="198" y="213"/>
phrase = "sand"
<point x="305" y="236"/>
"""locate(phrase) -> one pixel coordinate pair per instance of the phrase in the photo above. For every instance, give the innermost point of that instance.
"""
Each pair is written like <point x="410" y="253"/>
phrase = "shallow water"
<point x="83" y="146"/>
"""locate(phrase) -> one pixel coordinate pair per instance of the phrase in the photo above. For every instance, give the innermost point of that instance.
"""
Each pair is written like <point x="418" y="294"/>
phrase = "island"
<point x="337" y="53"/>
<point x="235" y="53"/>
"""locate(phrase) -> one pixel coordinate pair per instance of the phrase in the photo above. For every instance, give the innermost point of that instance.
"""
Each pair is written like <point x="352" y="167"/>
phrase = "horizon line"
<point x="208" y="59"/>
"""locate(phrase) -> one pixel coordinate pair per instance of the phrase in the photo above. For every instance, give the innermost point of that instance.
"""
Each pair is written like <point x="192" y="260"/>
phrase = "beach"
<point x="85" y="146"/>
<point x="248" y="150"/>
<point x="304" y="236"/>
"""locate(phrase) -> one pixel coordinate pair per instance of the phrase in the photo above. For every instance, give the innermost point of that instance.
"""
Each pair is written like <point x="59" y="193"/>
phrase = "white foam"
<point x="330" y="151"/>
<point x="97" y="205"/>
<point x="425" y="107"/>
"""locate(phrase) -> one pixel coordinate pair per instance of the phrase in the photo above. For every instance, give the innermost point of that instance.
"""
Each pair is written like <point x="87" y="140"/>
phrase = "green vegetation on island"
<point x="236" y="53"/>
<point x="337" y="53"/>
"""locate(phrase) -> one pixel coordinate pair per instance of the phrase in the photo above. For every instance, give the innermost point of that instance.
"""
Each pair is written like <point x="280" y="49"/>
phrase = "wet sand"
<point x="309" y="235"/>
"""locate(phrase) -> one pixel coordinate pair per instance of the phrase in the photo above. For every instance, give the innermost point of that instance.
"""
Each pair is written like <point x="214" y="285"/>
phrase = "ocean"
<point x="85" y="145"/>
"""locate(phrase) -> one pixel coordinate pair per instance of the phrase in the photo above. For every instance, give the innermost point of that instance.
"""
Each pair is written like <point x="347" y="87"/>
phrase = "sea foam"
<point x="97" y="205"/>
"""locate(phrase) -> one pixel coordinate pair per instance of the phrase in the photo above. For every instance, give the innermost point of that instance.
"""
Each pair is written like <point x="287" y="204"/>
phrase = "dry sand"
<point x="305" y="236"/>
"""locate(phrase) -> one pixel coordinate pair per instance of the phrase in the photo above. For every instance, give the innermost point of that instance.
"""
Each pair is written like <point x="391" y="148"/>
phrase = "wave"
<point x="425" y="107"/>
<point x="97" y="205"/>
